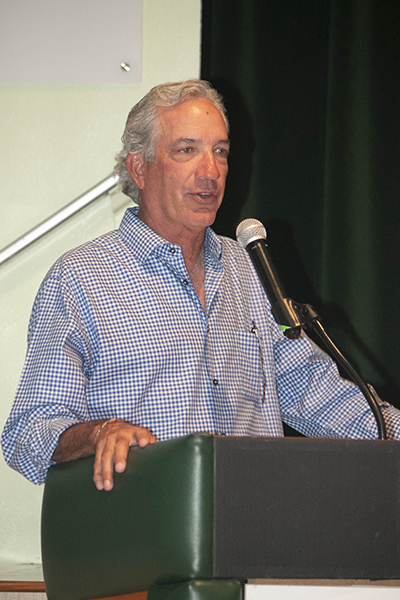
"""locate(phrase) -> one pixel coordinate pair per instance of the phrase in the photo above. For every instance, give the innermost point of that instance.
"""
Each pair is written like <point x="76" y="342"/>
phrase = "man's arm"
<point x="316" y="401"/>
<point x="108" y="440"/>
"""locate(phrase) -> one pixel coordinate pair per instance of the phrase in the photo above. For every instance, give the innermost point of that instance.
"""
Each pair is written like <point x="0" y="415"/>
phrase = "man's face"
<point x="182" y="189"/>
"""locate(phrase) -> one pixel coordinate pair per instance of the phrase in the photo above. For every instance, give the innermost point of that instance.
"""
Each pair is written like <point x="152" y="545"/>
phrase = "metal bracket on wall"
<point x="62" y="215"/>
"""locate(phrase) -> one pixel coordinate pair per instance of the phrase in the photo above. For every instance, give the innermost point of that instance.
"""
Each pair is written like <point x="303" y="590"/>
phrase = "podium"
<point x="195" y="517"/>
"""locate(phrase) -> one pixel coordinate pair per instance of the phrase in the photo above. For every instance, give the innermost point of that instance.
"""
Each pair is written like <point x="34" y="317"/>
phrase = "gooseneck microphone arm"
<point x="292" y="316"/>
<point x="312" y="320"/>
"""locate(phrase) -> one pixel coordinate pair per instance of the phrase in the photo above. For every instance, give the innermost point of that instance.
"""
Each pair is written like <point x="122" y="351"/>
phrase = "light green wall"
<point x="56" y="142"/>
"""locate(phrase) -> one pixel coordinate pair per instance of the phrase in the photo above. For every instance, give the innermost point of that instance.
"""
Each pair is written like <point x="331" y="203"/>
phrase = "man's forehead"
<point x="189" y="119"/>
<point x="187" y="102"/>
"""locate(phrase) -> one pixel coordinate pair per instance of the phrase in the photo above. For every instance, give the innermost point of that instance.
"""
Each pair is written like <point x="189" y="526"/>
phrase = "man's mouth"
<point x="205" y="195"/>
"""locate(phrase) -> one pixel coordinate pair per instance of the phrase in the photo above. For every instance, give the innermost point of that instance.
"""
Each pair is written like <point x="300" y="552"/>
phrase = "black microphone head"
<point x="249" y="230"/>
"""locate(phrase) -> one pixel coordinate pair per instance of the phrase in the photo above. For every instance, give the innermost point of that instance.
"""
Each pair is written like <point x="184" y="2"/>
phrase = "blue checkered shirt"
<point x="117" y="330"/>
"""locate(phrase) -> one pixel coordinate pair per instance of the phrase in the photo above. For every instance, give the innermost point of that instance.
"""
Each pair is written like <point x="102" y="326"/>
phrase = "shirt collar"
<point x="143" y="241"/>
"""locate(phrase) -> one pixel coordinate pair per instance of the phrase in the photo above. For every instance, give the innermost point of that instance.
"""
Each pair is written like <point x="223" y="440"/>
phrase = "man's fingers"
<point x="121" y="452"/>
<point x="104" y="465"/>
<point x="112" y="450"/>
<point x="140" y="437"/>
<point x="107" y="464"/>
<point x="98" y="468"/>
<point x="143" y="437"/>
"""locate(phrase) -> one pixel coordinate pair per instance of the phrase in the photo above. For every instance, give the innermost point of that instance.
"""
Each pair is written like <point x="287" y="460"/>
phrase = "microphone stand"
<point x="294" y="317"/>
<point x="308" y="317"/>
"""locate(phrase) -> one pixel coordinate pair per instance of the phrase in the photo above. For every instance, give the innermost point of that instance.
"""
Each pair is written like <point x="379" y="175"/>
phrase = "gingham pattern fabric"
<point x="117" y="330"/>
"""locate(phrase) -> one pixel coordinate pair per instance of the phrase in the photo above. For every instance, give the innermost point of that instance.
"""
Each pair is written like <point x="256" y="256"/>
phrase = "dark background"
<point x="312" y="89"/>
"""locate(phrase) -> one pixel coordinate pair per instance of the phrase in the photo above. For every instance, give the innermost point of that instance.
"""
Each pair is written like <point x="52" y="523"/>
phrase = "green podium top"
<point x="154" y="527"/>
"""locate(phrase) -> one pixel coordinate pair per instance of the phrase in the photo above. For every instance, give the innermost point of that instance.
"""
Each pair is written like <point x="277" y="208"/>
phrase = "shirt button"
<point x="172" y="250"/>
<point x="215" y="381"/>
<point x="185" y="282"/>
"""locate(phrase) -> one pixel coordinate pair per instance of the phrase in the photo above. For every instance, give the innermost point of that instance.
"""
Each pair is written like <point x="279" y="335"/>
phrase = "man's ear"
<point x="135" y="165"/>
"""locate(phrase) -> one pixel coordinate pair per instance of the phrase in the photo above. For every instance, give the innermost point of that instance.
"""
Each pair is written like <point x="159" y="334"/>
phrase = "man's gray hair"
<point x="140" y="135"/>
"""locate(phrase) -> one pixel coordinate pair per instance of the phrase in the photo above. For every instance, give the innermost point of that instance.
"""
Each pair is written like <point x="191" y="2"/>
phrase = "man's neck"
<point x="197" y="273"/>
<point x="194" y="256"/>
<point x="193" y="251"/>
<point x="191" y="241"/>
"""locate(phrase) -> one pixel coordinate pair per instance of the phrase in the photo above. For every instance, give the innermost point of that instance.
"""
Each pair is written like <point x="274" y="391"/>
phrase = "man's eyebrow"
<point x="194" y="141"/>
<point x="184" y="141"/>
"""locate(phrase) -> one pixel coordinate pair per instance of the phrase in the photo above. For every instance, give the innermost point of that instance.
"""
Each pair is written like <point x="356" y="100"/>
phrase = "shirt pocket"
<point x="250" y="367"/>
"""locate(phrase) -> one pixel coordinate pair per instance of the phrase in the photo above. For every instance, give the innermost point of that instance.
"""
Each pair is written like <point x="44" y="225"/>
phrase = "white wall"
<point x="58" y="140"/>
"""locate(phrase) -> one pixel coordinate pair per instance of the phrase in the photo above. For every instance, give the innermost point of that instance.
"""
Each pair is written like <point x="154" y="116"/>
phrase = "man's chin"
<point x="206" y="215"/>
<point x="206" y="219"/>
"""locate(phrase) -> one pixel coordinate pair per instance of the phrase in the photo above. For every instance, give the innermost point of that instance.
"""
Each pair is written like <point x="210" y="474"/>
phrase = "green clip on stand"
<point x="153" y="531"/>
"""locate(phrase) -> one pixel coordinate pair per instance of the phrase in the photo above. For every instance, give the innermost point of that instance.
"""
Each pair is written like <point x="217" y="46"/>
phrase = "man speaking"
<point x="161" y="328"/>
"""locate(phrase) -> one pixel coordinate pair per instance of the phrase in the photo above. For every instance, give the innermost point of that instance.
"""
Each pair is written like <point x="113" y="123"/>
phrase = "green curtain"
<point x="313" y="96"/>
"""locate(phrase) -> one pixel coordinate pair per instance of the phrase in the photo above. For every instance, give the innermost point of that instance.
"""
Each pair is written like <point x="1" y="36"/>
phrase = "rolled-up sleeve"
<point x="51" y="392"/>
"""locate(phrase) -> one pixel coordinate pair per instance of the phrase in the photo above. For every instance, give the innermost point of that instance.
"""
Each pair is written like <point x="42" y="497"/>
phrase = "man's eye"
<point x="186" y="150"/>
<point x="222" y="152"/>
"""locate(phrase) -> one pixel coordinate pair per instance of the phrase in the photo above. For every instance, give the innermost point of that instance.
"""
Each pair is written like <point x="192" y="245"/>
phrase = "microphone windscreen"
<point x="249" y="230"/>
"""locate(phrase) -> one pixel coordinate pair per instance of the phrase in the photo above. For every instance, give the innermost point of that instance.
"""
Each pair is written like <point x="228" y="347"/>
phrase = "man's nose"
<point x="208" y="166"/>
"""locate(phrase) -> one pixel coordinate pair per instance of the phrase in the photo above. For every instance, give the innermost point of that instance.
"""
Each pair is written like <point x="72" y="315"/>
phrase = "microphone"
<point x="251" y="235"/>
<point x="291" y="317"/>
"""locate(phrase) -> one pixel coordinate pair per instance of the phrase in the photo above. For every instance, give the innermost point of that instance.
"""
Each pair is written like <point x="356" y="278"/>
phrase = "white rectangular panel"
<point x="317" y="592"/>
<point x="70" y="41"/>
